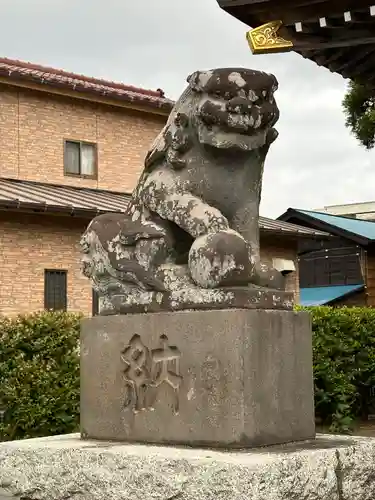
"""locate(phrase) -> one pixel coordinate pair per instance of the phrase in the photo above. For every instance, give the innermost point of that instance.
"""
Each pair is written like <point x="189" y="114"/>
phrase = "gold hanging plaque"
<point x="264" y="39"/>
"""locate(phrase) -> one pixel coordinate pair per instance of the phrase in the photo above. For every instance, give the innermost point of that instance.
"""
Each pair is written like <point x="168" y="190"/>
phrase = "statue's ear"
<point x="192" y="79"/>
<point x="197" y="81"/>
<point x="272" y="135"/>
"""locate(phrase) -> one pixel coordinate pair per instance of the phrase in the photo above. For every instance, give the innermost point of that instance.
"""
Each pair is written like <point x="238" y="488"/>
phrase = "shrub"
<point x="39" y="370"/>
<point x="344" y="364"/>
<point x="39" y="374"/>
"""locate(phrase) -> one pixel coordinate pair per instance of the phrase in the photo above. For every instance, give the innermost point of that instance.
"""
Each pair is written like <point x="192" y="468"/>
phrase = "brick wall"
<point x="29" y="245"/>
<point x="33" y="126"/>
<point x="357" y="299"/>
<point x="283" y="248"/>
<point x="32" y="243"/>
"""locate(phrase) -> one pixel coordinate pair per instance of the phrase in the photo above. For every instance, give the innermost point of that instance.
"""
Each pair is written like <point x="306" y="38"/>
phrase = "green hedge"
<point x="344" y="364"/>
<point x="39" y="375"/>
<point x="39" y="370"/>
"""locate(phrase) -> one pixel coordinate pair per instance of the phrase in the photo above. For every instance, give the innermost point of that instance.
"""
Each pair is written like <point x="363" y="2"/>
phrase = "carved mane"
<point x="174" y="139"/>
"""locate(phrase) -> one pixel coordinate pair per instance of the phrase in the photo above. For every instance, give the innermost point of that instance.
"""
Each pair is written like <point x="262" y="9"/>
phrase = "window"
<point x="80" y="159"/>
<point x="55" y="293"/>
<point x="331" y="267"/>
<point x="95" y="303"/>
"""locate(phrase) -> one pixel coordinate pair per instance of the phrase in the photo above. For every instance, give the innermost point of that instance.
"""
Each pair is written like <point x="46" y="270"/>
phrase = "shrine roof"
<point x="336" y="34"/>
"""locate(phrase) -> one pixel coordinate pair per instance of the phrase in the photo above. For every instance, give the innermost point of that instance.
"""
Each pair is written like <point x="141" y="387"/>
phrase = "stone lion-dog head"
<point x="223" y="108"/>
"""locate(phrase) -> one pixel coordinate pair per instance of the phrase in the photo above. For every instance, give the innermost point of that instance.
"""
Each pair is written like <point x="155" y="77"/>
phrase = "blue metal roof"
<point x="359" y="227"/>
<point x="319" y="296"/>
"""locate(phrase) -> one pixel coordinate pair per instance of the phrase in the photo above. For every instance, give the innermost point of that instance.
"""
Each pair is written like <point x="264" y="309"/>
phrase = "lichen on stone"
<point x="190" y="231"/>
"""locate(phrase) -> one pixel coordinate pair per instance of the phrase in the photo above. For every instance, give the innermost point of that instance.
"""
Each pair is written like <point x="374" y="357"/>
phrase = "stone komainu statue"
<point x="189" y="237"/>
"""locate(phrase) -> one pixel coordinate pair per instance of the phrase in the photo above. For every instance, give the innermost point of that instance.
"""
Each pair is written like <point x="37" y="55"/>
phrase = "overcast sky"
<point x="157" y="43"/>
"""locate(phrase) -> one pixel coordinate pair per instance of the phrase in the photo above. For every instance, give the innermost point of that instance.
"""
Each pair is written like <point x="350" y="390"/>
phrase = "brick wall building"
<point x="70" y="148"/>
<point x="39" y="121"/>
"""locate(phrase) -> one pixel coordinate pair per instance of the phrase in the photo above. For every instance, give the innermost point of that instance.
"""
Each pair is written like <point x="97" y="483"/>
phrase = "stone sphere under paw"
<point x="220" y="259"/>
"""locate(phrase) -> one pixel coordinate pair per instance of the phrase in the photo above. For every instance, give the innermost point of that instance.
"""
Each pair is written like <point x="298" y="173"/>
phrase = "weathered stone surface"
<point x="195" y="298"/>
<point x="192" y="222"/>
<point x="65" y="467"/>
<point x="229" y="378"/>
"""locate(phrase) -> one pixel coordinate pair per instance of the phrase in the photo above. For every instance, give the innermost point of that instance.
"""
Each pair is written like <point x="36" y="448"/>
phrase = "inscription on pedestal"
<point x="147" y="370"/>
<point x="231" y="379"/>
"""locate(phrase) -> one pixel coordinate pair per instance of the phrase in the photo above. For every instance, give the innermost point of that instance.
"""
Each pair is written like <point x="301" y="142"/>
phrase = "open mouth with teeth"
<point x="238" y="115"/>
<point x="237" y="122"/>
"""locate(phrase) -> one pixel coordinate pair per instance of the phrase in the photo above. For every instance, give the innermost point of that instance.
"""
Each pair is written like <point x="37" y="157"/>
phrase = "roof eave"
<point x="349" y="53"/>
<point x="144" y="105"/>
<point x="324" y="226"/>
<point x="89" y="213"/>
<point x="295" y="235"/>
<point x="43" y="208"/>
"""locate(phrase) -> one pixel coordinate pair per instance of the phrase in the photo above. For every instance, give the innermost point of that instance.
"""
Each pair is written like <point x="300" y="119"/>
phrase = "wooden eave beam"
<point x="363" y="72"/>
<point x="262" y="41"/>
<point x="354" y="61"/>
<point x="322" y="45"/>
<point x="257" y="5"/>
<point x="256" y="14"/>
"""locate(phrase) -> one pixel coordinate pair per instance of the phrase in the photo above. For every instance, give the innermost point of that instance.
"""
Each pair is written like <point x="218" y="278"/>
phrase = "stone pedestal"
<point x="229" y="378"/>
<point x="66" y="467"/>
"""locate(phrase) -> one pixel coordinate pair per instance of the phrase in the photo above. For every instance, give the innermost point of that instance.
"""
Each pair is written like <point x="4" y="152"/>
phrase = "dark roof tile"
<point x="14" y="71"/>
<point x="16" y="194"/>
